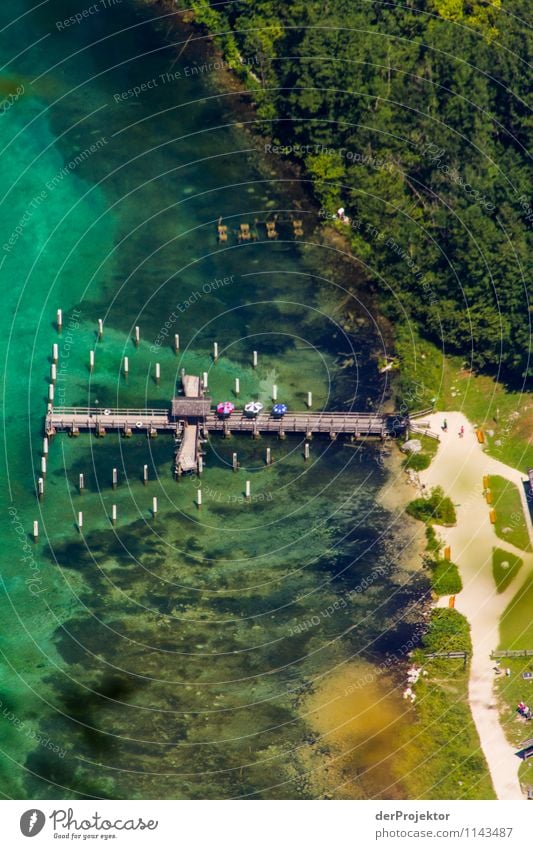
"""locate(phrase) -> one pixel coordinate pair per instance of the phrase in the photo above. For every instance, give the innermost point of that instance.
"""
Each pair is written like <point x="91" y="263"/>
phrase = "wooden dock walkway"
<point x="191" y="418"/>
<point x="352" y="424"/>
<point x="186" y="459"/>
<point x="74" y="420"/>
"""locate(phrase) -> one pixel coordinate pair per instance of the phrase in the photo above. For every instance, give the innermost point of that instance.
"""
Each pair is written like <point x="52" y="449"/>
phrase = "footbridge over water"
<point x="191" y="418"/>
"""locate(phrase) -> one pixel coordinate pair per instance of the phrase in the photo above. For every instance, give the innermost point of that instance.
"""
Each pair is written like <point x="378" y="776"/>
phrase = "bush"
<point x="448" y="631"/>
<point x="417" y="462"/>
<point x="445" y="577"/>
<point x="433" y="542"/>
<point x="437" y="507"/>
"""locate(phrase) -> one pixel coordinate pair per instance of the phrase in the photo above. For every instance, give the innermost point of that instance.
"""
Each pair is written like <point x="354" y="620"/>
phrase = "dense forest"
<point x="413" y="117"/>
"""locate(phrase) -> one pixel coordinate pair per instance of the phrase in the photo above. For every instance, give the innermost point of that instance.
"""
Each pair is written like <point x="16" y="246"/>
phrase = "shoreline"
<point x="477" y="577"/>
<point x="459" y="467"/>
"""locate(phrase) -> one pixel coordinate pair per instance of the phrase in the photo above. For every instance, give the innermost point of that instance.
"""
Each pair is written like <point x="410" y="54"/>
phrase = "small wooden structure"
<point x="222" y="232"/>
<point x="244" y="233"/>
<point x="526" y="749"/>
<point x="190" y="408"/>
<point x="297" y="227"/>
<point x="191" y="386"/>
<point x="272" y="233"/>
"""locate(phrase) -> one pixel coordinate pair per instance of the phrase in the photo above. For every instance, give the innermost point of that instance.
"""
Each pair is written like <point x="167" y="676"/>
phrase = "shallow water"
<point x="177" y="656"/>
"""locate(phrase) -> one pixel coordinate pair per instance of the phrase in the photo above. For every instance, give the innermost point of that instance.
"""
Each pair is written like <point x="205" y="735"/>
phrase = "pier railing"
<point x="354" y="424"/>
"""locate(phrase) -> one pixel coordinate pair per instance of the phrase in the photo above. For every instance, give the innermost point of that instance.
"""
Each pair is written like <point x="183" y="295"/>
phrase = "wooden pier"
<point x="74" y="420"/>
<point x="188" y="453"/>
<point x="332" y="424"/>
<point x="191" y="417"/>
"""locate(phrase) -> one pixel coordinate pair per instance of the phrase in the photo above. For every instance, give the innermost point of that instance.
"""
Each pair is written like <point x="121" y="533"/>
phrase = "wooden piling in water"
<point x="40" y="488"/>
<point x="200" y="464"/>
<point x="157" y="372"/>
<point x="176" y="342"/>
<point x="268" y="457"/>
<point x="145" y="474"/>
<point x="235" y="462"/>
<point x="137" y="335"/>
<point x="309" y="399"/>
<point x="274" y="392"/>
<point x="205" y="380"/>
<point x="126" y="366"/>
<point x="43" y="466"/>
<point x="306" y="451"/>
<point x="53" y="373"/>
<point x="45" y="446"/>
<point x="55" y="353"/>
<point x="247" y="489"/>
<point x="51" y="392"/>
<point x="35" y="530"/>
<point x="59" y="320"/>
<point x="114" y="514"/>
<point x="91" y="361"/>
<point x="254" y="359"/>
<point x="154" y="506"/>
<point x="81" y="482"/>
<point x="237" y="386"/>
<point x="100" y="328"/>
<point x="215" y="351"/>
<point x="115" y="478"/>
<point x="199" y="498"/>
<point x="80" y="521"/>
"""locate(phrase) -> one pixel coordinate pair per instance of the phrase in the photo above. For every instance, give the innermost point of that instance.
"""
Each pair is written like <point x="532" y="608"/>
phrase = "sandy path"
<point x="459" y="468"/>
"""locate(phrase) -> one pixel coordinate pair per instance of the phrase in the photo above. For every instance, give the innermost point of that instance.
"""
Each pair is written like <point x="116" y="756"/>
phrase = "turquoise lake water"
<point x="174" y="657"/>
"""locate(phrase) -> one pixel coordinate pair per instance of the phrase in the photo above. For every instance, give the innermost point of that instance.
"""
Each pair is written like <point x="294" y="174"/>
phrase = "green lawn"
<point x="516" y="632"/>
<point x="516" y="624"/>
<point x="510" y="520"/>
<point x="511" y="690"/>
<point x="442" y="758"/>
<point x="425" y="373"/>
<point x="504" y="567"/>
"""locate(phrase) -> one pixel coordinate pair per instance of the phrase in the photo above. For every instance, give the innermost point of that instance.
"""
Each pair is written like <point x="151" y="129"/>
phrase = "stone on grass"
<point x="412" y="446"/>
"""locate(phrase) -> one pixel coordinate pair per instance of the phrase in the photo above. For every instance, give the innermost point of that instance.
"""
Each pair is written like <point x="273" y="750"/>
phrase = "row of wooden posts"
<point x="114" y="512"/>
<point x="136" y="339"/>
<point x="157" y="370"/>
<point x="114" y="473"/>
<point x="488" y="498"/>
